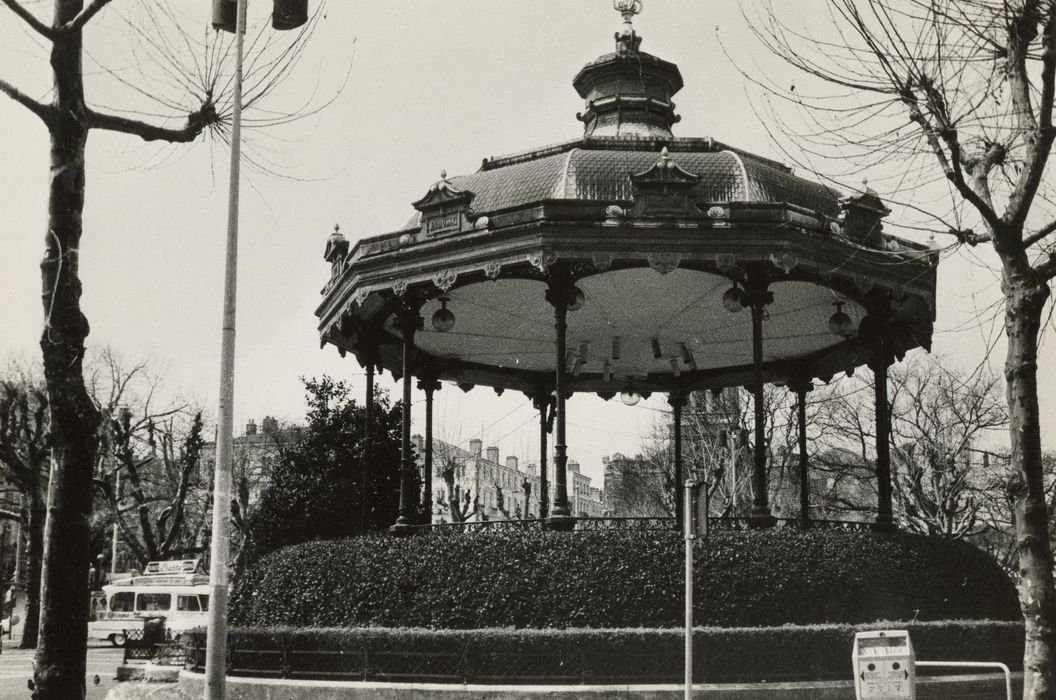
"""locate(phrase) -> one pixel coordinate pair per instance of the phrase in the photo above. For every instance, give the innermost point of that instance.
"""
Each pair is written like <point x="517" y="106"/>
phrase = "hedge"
<point x="772" y="654"/>
<point x="620" y="579"/>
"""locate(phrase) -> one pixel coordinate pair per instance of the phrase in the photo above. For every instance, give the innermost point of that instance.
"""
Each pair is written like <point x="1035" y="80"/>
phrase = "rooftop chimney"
<point x="474" y="447"/>
<point x="511" y="462"/>
<point x="269" y="425"/>
<point x="251" y="427"/>
<point x="493" y="454"/>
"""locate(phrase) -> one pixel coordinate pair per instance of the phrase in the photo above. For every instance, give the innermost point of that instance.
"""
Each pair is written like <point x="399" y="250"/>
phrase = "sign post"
<point x="884" y="665"/>
<point x="690" y="532"/>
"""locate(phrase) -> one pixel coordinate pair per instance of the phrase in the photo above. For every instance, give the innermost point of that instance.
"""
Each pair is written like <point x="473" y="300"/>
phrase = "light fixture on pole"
<point x="733" y="300"/>
<point x="443" y="318"/>
<point x="840" y="323"/>
<point x="578" y="299"/>
<point x="630" y="395"/>
<point x="286" y="14"/>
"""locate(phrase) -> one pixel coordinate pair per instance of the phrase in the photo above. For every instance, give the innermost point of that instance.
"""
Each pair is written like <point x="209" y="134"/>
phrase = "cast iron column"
<point x="884" y="518"/>
<point x="758" y="297"/>
<point x="801" y="388"/>
<point x="559" y="294"/>
<point x="368" y="440"/>
<point x="677" y="401"/>
<point x="429" y="385"/>
<point x="409" y="321"/>
<point x="542" y="403"/>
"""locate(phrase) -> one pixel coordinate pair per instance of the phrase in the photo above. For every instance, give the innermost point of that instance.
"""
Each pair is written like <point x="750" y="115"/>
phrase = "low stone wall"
<point x="974" y="687"/>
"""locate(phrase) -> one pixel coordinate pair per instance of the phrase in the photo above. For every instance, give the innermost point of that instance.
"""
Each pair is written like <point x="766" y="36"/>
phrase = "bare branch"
<point x="1039" y="135"/>
<point x="78" y="22"/>
<point x="1039" y="234"/>
<point x="41" y="110"/>
<point x="38" y="26"/>
<point x="196" y="123"/>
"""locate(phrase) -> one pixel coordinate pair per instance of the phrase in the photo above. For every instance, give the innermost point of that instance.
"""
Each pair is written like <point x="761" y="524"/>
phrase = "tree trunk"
<point x="60" y="660"/>
<point x="1025" y="301"/>
<point x="34" y="558"/>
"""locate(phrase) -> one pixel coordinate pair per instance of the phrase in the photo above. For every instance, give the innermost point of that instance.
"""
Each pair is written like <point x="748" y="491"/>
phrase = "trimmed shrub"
<point x="771" y="654"/>
<point x="619" y="579"/>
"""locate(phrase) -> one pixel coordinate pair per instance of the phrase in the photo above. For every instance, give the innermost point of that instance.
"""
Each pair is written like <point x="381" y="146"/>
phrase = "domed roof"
<point x="627" y="122"/>
<point x="599" y="169"/>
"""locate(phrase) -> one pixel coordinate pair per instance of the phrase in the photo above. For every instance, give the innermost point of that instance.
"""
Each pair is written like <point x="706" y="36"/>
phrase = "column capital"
<point x="428" y="383"/>
<point x="800" y="385"/>
<point x="756" y="288"/>
<point x="676" y="398"/>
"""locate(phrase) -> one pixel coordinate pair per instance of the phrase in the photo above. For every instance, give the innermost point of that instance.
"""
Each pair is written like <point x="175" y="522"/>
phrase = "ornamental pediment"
<point x="445" y="208"/>
<point x="664" y="189"/>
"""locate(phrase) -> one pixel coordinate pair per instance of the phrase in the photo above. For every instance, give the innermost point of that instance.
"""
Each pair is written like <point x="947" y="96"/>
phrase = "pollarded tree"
<point x="192" y="85"/>
<point x="948" y="104"/>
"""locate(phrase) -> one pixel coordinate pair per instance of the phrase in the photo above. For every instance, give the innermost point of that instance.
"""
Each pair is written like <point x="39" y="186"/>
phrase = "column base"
<point x="560" y="523"/>
<point x="760" y="519"/>
<point x="884" y="525"/>
<point x="403" y="527"/>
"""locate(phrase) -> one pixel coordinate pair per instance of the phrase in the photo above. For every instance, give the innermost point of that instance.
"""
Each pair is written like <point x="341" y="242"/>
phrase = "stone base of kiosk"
<point x="963" y="687"/>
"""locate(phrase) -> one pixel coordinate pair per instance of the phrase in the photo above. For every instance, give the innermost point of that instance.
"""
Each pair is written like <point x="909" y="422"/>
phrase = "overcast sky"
<point x="430" y="86"/>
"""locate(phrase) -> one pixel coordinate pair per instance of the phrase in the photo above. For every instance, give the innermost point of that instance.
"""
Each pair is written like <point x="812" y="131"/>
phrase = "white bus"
<point x="175" y="590"/>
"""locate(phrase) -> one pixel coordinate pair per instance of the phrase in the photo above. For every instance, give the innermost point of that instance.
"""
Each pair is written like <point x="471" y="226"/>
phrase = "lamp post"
<point x="286" y="14"/>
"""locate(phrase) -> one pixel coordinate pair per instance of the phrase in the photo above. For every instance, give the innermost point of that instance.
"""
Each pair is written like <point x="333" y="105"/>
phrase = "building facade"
<point x="485" y="486"/>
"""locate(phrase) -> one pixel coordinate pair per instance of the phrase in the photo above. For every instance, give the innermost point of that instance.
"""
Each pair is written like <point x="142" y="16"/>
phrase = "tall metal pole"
<point x="368" y="419"/>
<point x="801" y="388"/>
<point x="542" y="402"/>
<point x="689" y="531"/>
<point x="761" y="515"/>
<point x="408" y="319"/>
<point x="216" y="639"/>
<point x="429" y="385"/>
<point x="560" y="518"/>
<point x="884" y="516"/>
<point x="113" y="544"/>
<point x="677" y="400"/>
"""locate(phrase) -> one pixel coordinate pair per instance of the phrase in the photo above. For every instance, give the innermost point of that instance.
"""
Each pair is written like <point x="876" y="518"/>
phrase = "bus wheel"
<point x="118" y="640"/>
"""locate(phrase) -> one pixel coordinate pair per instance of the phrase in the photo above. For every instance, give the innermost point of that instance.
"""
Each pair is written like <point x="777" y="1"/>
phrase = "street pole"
<point x="691" y="534"/>
<point x="113" y="545"/>
<point x="216" y="637"/>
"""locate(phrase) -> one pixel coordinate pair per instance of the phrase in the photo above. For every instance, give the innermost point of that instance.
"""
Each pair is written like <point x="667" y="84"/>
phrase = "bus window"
<point x="149" y="602"/>
<point x="187" y="603"/>
<point x="122" y="602"/>
<point x="204" y="601"/>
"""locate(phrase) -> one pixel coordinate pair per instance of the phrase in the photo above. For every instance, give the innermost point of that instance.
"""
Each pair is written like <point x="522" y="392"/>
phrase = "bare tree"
<point x="462" y="502"/>
<point x="940" y="417"/>
<point x="716" y="443"/>
<point x="24" y="455"/>
<point x="194" y="84"/>
<point x="958" y="94"/>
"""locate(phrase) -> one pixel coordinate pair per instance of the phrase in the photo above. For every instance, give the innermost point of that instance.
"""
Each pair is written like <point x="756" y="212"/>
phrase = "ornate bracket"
<point x="663" y="262"/>
<point x="542" y="260"/>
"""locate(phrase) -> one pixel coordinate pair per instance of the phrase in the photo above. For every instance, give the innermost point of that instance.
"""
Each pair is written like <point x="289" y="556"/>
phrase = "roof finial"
<point x="627" y="39"/>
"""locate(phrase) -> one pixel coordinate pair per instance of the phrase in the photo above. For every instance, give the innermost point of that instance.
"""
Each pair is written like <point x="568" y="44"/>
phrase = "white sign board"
<point x="884" y="665"/>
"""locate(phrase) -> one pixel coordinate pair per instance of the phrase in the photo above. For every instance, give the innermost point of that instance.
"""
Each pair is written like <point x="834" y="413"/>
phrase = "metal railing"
<point x="167" y="650"/>
<point x="474" y="664"/>
<point x="596" y="524"/>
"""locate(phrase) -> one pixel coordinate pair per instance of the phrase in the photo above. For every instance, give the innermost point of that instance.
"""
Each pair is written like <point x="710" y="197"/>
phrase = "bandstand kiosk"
<point x="630" y="261"/>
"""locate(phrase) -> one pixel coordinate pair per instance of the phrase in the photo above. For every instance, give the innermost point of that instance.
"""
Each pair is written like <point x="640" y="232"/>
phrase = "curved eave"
<point x="794" y="242"/>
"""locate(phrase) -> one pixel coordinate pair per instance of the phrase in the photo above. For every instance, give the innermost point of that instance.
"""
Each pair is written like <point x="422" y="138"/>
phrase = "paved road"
<point x="16" y="667"/>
